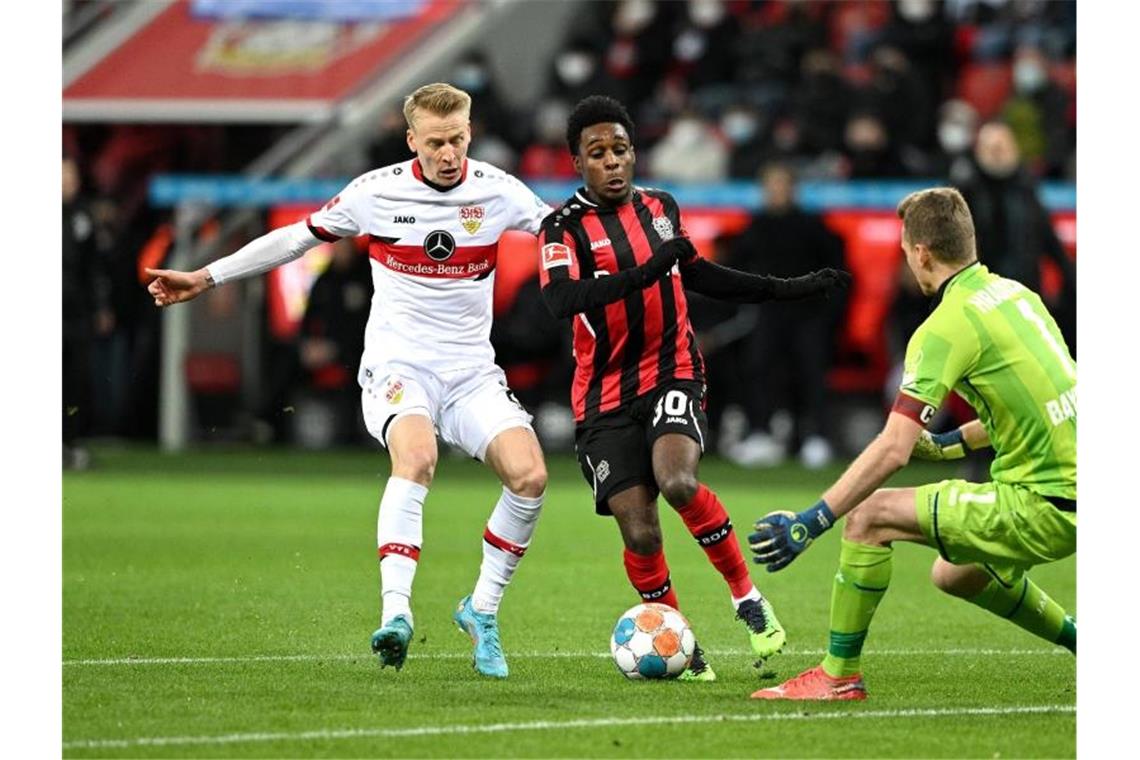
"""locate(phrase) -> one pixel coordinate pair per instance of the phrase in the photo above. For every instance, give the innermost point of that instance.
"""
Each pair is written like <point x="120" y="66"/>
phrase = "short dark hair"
<point x="940" y="219"/>
<point x="595" y="109"/>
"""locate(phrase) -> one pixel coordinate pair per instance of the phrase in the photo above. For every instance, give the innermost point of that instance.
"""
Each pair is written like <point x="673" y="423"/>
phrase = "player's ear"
<point x="412" y="141"/>
<point x="577" y="161"/>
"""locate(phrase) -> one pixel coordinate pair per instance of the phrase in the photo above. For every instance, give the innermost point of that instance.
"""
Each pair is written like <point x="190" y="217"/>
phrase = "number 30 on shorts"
<point x="673" y="403"/>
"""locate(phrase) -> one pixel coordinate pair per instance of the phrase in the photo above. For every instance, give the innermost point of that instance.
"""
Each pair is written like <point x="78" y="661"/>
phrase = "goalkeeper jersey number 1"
<point x="993" y="342"/>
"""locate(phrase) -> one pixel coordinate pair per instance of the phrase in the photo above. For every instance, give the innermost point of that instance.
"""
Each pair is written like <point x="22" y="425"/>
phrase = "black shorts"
<point x="615" y="449"/>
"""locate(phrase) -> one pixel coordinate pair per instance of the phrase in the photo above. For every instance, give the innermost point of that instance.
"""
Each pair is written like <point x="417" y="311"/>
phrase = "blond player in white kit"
<point x="433" y="224"/>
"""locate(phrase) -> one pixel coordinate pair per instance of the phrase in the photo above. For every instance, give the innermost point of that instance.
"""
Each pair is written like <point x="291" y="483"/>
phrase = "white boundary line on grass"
<point x="547" y="725"/>
<point x="255" y="658"/>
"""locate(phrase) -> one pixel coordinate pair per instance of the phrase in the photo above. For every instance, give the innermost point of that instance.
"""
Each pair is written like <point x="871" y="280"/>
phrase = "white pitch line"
<point x="548" y="725"/>
<point x="255" y="658"/>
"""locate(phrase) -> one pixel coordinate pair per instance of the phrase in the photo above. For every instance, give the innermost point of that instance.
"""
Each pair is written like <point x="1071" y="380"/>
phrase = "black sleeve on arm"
<point x="566" y="297"/>
<point x="704" y="277"/>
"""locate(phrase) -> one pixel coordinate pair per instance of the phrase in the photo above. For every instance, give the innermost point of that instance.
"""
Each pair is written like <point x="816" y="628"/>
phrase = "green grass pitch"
<point x="220" y="605"/>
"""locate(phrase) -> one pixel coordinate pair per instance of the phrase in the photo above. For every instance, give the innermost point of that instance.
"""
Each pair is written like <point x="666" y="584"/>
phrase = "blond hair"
<point x="438" y="98"/>
<point x="939" y="219"/>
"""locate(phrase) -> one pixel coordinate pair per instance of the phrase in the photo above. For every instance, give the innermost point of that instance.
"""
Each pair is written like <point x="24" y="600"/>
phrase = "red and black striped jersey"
<point x="629" y="347"/>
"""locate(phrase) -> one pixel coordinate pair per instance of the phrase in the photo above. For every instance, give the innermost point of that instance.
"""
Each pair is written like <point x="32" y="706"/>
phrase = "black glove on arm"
<point x="725" y="284"/>
<point x="565" y="297"/>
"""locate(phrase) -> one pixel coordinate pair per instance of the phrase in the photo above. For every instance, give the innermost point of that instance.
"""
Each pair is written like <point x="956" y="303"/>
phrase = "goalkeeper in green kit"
<point x="992" y="341"/>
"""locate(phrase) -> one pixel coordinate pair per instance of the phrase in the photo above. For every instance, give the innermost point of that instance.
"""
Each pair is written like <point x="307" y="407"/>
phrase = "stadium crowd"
<point x="745" y="90"/>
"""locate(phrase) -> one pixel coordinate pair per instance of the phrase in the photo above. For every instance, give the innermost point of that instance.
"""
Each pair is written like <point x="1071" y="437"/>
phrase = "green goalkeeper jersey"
<point x="993" y="342"/>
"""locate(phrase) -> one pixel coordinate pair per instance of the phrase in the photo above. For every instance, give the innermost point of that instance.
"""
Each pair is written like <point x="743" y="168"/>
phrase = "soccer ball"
<point x="652" y="641"/>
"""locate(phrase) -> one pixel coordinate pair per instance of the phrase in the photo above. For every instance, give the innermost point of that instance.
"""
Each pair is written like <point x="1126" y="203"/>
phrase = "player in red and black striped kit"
<point x="617" y="260"/>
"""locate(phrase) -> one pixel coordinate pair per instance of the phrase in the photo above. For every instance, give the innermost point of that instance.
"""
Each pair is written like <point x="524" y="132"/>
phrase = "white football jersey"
<point x="433" y="254"/>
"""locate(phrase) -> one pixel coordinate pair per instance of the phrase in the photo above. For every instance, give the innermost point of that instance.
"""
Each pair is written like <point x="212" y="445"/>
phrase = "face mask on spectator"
<point x="738" y="127"/>
<point x="471" y="77"/>
<point x="575" y="68"/>
<point x="1029" y="76"/>
<point x="916" y="11"/>
<point x="706" y="13"/>
<point x="954" y="137"/>
<point x="634" y="15"/>
<point x="687" y="131"/>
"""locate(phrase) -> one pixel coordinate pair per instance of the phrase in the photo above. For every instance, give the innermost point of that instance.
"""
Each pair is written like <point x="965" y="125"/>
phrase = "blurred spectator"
<point x="638" y="51"/>
<point x="331" y="338"/>
<point x="957" y="128"/>
<point x="868" y="148"/>
<point x="1038" y="114"/>
<point x="773" y="42"/>
<point x="793" y="342"/>
<point x="547" y="157"/>
<point x="702" y="46"/>
<point x="905" y="103"/>
<point x="576" y="72"/>
<point x="741" y="126"/>
<point x="1014" y="230"/>
<point x="691" y="151"/>
<point x="821" y="101"/>
<point x="391" y="144"/>
<point x="921" y="32"/>
<point x="490" y="114"/>
<point x="86" y="311"/>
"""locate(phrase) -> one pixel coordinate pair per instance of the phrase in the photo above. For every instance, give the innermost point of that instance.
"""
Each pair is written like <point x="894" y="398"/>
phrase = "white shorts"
<point x="468" y="407"/>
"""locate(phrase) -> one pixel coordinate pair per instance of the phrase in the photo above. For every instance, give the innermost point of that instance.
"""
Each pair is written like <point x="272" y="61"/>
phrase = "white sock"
<point x="754" y="595"/>
<point x="505" y="540"/>
<point x="399" y="536"/>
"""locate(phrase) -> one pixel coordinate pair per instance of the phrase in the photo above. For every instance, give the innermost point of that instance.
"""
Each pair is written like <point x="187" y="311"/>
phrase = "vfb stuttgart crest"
<point x="663" y="227"/>
<point x="471" y="217"/>
<point x="394" y="393"/>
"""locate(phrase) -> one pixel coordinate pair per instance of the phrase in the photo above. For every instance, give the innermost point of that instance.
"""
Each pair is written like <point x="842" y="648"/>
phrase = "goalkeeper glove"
<point x="780" y="537"/>
<point x="939" y="447"/>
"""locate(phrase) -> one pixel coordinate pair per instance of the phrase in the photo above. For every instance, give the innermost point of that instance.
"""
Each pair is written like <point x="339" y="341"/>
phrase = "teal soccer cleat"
<point x="391" y="642"/>
<point x="483" y="629"/>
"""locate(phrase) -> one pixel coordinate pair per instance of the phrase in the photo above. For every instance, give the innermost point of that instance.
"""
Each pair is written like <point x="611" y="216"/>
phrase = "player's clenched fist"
<point x="780" y="537"/>
<point x="171" y="286"/>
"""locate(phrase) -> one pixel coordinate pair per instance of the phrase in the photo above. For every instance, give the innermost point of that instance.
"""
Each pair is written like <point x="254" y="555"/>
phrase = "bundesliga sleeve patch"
<point x="919" y="411"/>
<point x="555" y="255"/>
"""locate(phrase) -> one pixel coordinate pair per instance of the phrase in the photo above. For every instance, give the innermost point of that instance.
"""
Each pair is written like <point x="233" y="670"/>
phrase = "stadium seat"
<point x="985" y="86"/>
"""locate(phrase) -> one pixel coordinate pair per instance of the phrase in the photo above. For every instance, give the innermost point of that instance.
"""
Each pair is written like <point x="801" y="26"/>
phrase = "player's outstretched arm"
<point x="566" y="297"/>
<point x="170" y="286"/>
<point x="780" y="537"/>
<point x="726" y="284"/>
<point x="256" y="257"/>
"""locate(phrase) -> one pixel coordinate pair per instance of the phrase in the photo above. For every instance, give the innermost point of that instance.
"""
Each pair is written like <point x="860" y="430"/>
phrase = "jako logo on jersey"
<point x="439" y="245"/>
<point x="663" y="227"/>
<point x="471" y="217"/>
<point x="404" y="220"/>
<point x="555" y="254"/>
<point x="596" y="244"/>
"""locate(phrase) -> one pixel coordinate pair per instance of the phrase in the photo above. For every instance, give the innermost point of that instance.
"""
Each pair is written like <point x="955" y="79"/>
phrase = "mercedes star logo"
<point x="439" y="245"/>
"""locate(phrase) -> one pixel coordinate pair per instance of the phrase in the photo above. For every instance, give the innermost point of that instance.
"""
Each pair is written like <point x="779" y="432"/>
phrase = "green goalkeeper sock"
<point x="862" y="579"/>
<point x="1031" y="608"/>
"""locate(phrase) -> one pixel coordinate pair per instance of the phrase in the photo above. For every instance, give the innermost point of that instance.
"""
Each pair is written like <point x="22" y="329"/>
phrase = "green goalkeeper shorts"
<point x="1005" y="528"/>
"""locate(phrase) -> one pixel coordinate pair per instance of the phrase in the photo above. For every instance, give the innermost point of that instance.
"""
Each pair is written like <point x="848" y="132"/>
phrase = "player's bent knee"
<point x="530" y="482"/>
<point x="862" y="523"/>
<point x="964" y="582"/>
<point x="678" y="489"/>
<point x="645" y="540"/>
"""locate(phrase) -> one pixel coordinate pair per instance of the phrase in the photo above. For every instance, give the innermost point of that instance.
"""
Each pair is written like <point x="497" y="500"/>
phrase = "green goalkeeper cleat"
<point x="391" y="642"/>
<point x="699" y="668"/>
<point x="765" y="633"/>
